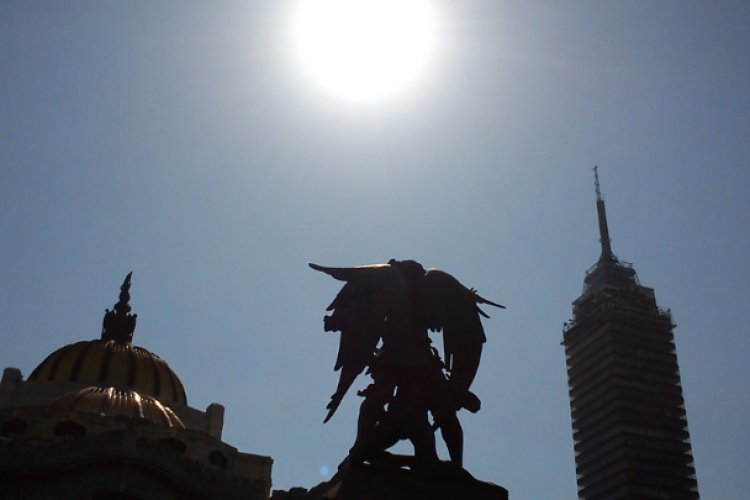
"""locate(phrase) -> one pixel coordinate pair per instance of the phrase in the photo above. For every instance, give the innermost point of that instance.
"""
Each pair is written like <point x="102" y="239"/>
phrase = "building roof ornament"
<point x="119" y="324"/>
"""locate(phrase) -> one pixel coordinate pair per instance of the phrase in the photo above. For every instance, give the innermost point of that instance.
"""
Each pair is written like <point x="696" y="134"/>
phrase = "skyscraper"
<point x="630" y="428"/>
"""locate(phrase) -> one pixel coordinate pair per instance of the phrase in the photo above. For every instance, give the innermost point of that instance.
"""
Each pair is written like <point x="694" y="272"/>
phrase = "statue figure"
<point x="385" y="313"/>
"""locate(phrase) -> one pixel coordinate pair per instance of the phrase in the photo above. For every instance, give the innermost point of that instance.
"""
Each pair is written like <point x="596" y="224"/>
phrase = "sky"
<point x="182" y="141"/>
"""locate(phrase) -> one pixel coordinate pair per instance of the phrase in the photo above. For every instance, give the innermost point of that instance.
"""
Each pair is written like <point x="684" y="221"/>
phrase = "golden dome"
<point x="114" y="402"/>
<point x="113" y="360"/>
<point x="111" y="363"/>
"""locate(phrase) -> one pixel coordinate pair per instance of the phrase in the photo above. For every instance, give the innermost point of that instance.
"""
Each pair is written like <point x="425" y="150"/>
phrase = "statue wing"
<point x="449" y="306"/>
<point x="359" y="312"/>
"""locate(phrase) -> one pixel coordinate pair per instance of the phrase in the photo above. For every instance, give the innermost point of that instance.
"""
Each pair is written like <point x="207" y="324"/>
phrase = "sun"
<point x="365" y="50"/>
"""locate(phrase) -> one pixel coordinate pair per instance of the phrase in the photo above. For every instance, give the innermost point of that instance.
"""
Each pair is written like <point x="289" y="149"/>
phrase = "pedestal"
<point x="377" y="482"/>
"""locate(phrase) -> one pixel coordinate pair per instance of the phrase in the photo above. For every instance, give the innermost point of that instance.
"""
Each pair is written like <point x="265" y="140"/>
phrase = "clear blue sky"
<point x="180" y="141"/>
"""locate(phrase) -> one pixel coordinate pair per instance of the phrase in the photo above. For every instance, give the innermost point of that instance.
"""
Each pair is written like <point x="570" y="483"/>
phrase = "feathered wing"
<point x="449" y="306"/>
<point x="358" y="312"/>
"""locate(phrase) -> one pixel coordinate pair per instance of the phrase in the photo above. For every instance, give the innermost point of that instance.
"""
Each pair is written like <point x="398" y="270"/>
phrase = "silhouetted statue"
<point x="384" y="313"/>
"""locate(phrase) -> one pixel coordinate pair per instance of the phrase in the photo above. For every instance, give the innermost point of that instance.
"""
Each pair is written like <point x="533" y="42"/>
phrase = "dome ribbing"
<point x="110" y="401"/>
<point x="111" y="363"/>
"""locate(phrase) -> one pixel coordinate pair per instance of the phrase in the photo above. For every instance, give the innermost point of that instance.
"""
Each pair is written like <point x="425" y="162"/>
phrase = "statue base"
<point x="378" y="481"/>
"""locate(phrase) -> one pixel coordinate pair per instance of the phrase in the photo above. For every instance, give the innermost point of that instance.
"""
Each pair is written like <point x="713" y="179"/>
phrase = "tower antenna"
<point x="601" y="213"/>
<point x="596" y="183"/>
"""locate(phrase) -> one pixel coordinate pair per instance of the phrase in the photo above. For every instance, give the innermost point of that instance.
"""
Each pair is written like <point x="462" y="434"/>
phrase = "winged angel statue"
<point x="385" y="313"/>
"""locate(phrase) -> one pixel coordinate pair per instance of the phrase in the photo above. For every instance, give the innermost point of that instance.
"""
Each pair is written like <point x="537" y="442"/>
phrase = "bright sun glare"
<point x="365" y="50"/>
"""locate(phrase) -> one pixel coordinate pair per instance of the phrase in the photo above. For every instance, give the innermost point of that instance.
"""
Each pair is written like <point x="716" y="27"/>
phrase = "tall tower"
<point x="629" y="424"/>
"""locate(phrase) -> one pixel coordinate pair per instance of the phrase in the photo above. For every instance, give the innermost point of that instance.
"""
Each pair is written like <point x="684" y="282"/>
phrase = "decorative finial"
<point x="119" y="324"/>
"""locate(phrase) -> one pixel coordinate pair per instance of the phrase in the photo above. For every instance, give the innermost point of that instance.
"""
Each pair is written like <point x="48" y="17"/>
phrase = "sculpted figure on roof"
<point x="385" y="313"/>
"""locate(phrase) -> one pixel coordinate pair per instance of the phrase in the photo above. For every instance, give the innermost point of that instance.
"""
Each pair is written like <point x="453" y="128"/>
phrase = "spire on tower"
<point x="596" y="183"/>
<point x="606" y="243"/>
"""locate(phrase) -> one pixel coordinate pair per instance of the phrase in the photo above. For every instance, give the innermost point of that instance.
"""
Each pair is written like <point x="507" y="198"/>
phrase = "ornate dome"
<point x="110" y="401"/>
<point x="113" y="360"/>
<point x="112" y="363"/>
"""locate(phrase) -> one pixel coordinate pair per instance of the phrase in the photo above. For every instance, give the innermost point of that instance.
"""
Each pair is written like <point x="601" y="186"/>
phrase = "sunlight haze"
<point x="364" y="50"/>
<point x="200" y="145"/>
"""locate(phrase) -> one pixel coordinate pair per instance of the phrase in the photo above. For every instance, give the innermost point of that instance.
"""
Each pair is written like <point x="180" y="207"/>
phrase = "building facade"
<point x="629" y="422"/>
<point x="105" y="419"/>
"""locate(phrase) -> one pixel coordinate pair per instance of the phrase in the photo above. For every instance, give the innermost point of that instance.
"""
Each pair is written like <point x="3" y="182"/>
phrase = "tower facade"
<point x="630" y="428"/>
